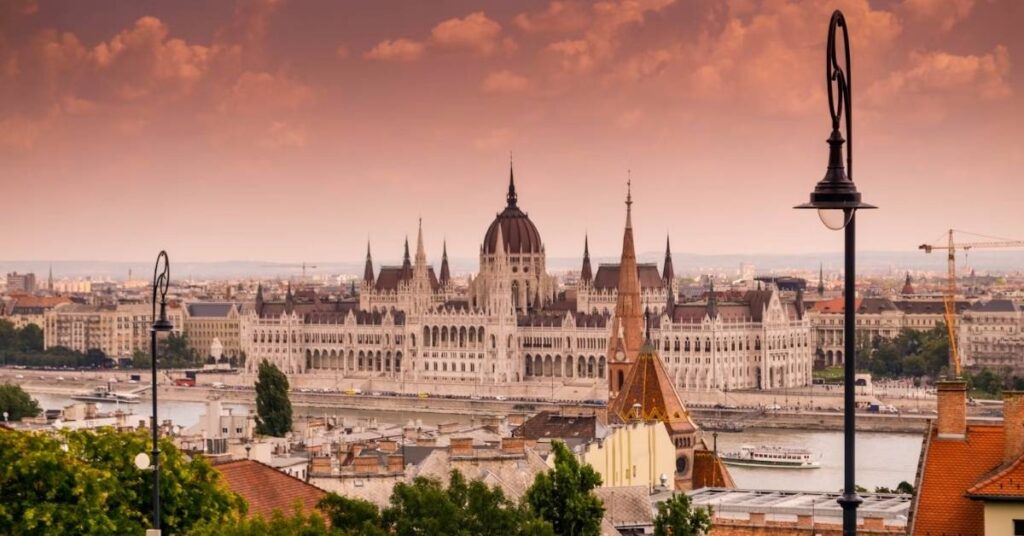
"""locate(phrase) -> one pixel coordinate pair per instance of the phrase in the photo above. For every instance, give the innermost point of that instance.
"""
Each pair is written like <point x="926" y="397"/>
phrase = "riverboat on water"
<point x="105" y="394"/>
<point x="771" y="456"/>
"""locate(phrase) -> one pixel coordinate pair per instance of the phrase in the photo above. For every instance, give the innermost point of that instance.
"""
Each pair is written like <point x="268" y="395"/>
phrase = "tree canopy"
<point x="677" y="517"/>
<point x="16" y="403"/>
<point x="273" y="408"/>
<point x="86" y="482"/>
<point x="563" y="495"/>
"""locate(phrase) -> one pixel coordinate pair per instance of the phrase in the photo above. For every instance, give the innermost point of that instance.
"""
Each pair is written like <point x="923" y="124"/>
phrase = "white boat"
<point x="105" y="394"/>
<point x="771" y="456"/>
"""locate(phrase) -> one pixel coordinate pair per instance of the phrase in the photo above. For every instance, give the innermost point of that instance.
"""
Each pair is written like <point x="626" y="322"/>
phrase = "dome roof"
<point x="518" y="232"/>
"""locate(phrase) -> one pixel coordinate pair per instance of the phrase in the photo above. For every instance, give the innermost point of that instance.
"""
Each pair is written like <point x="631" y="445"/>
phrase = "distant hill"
<point x="868" y="262"/>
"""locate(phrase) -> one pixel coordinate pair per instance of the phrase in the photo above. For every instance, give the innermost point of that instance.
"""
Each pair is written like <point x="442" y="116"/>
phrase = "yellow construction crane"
<point x="949" y="296"/>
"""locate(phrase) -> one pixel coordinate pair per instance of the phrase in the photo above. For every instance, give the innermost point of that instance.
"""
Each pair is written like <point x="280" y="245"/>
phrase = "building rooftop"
<point x="266" y="489"/>
<point x="785" y="505"/>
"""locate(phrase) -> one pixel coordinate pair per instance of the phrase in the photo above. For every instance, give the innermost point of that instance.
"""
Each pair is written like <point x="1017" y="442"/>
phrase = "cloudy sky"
<point x="294" y="130"/>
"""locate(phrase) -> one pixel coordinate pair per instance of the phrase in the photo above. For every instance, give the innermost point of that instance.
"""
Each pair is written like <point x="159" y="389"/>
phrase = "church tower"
<point x="626" y="336"/>
<point x="648" y="395"/>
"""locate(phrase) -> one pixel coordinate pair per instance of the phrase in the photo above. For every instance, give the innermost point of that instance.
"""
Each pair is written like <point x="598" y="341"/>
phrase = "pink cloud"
<point x="944" y="75"/>
<point x="142" y="60"/>
<point x="601" y="39"/>
<point x="505" y="81"/>
<point x="945" y="13"/>
<point x="559" y="17"/>
<point x="396" y="50"/>
<point x="475" y="32"/>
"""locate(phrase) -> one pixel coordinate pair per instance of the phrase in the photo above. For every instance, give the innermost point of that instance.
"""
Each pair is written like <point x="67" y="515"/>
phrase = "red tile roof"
<point x="950" y="468"/>
<point x="1005" y="483"/>
<point x="709" y="471"/>
<point x="266" y="489"/>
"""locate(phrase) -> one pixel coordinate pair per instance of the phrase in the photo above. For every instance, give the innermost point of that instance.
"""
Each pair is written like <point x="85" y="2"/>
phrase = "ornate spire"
<point x="712" y="307"/>
<point x="512" y="198"/>
<point x="406" y="262"/>
<point x="445" y="273"/>
<point x="421" y="253"/>
<point x="368" y="270"/>
<point x="49" y="279"/>
<point x="627" y="324"/>
<point x="908" y="287"/>
<point x="821" y="279"/>
<point x="289" y="299"/>
<point x="259" y="299"/>
<point x="586" y="274"/>
<point x="629" y="201"/>
<point x="668" y="273"/>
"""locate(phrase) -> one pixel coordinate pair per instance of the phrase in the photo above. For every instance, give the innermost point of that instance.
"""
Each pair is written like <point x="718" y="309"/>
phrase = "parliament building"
<point x="513" y="324"/>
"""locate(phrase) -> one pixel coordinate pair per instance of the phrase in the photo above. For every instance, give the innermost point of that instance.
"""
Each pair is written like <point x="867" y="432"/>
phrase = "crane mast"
<point x="949" y="296"/>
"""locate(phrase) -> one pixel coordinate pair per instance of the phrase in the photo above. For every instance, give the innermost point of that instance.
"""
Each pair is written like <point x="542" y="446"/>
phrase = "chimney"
<point x="1013" y="425"/>
<point x="952" y="409"/>
<point x="461" y="446"/>
<point x="387" y="446"/>
<point x="366" y="465"/>
<point x="396" y="463"/>
<point x="512" y="445"/>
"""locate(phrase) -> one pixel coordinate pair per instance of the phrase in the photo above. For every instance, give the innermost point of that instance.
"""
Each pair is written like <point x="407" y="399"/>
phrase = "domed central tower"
<point x="518" y="232"/>
<point x="532" y="288"/>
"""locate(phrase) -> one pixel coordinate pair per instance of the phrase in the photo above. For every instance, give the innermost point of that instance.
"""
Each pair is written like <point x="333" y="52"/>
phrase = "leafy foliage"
<point x="351" y="516"/>
<point x="297" y="524"/>
<point x="426" y="507"/>
<point x="677" y="517"/>
<point x="86" y="482"/>
<point x="911" y="353"/>
<point x="273" y="408"/>
<point x="563" y="497"/>
<point x="902" y="487"/>
<point x="17" y="403"/>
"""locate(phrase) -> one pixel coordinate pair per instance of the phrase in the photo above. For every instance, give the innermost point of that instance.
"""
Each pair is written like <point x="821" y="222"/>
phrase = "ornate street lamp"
<point x="837" y="200"/>
<point x="161" y="282"/>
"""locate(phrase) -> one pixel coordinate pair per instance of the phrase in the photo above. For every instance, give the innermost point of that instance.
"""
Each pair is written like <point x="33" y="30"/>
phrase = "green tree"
<point x="563" y="495"/>
<point x="86" y="482"/>
<point x="30" y="338"/>
<point x="464" y="508"/>
<point x="16" y="403"/>
<point x="141" y="360"/>
<point x="299" y="523"/>
<point x="351" y="516"/>
<point x="905" y="487"/>
<point x="273" y="408"/>
<point x="677" y="517"/>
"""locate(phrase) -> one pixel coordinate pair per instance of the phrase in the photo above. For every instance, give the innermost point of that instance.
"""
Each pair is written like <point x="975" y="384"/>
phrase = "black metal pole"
<point x="850" y="501"/>
<point x="155" y="428"/>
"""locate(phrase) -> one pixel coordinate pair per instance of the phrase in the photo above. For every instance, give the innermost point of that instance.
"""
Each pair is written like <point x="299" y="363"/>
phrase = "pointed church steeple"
<point x="368" y="269"/>
<point x="821" y="279"/>
<point x="49" y="279"/>
<point x="626" y="335"/>
<point x="586" y="274"/>
<point x="445" y="273"/>
<point x="669" y="272"/>
<point x="908" y="287"/>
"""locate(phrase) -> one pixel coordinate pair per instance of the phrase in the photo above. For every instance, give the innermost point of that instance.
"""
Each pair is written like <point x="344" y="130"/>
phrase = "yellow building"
<point x="634" y="454"/>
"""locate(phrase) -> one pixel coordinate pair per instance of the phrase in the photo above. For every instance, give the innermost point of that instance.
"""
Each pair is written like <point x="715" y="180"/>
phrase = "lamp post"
<point x="837" y="200"/>
<point x="161" y="281"/>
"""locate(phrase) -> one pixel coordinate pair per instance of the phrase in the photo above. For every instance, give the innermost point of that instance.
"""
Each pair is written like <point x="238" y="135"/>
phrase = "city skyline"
<point x="264" y="130"/>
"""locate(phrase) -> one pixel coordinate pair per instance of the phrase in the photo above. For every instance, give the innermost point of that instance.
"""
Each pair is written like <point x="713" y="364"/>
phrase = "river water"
<point x="883" y="459"/>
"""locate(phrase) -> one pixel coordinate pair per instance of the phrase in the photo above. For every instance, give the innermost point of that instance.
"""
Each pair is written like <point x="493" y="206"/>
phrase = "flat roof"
<point x="785" y="505"/>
